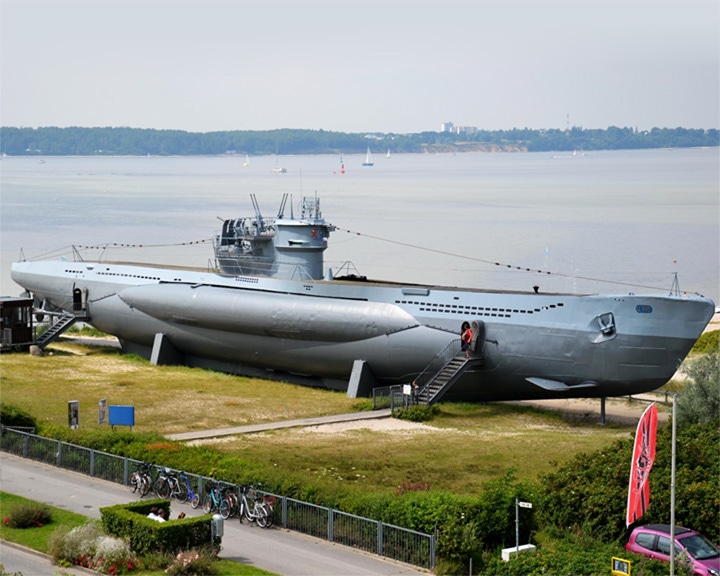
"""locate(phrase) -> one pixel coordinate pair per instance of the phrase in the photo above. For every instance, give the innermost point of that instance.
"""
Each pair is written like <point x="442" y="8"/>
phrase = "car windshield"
<point x="700" y="547"/>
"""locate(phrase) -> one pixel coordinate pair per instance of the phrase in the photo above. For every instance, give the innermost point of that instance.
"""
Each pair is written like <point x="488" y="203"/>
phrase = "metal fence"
<point x="392" y="397"/>
<point x="393" y="542"/>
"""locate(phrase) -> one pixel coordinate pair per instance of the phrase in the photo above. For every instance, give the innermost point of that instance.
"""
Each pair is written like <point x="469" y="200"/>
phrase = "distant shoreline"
<point x="108" y="141"/>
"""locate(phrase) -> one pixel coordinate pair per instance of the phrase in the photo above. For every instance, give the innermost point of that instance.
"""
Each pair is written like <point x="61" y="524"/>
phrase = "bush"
<point x="13" y="416"/>
<point x="89" y="547"/>
<point x="28" y="516"/>
<point x="591" y="489"/>
<point x="193" y="562"/>
<point x="700" y="400"/>
<point x="708" y="342"/>
<point x="417" y="413"/>
<point x="572" y="553"/>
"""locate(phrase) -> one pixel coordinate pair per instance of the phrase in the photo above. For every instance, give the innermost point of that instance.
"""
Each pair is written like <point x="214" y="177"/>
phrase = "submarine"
<point x="270" y="309"/>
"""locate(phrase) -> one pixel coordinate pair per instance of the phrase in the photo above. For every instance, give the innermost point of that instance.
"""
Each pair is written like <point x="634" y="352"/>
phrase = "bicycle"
<point x="233" y="503"/>
<point x="190" y="495"/>
<point x="140" y="480"/>
<point x="169" y="486"/>
<point x="215" y="500"/>
<point x="253" y="508"/>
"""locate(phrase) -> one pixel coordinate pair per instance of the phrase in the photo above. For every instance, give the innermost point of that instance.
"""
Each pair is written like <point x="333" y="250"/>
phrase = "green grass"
<point x="463" y="447"/>
<point x="166" y="398"/>
<point x="35" y="538"/>
<point x="466" y="445"/>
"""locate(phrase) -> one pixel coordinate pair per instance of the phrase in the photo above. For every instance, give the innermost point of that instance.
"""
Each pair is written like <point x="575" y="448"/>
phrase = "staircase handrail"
<point x="437" y="364"/>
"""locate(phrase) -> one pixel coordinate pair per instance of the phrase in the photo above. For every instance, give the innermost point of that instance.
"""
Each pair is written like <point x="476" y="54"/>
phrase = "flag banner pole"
<point x="642" y="460"/>
<point x="672" y="486"/>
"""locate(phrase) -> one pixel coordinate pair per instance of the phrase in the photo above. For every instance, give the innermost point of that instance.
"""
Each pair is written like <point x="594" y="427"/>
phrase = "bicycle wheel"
<point x="224" y="509"/>
<point x="270" y="517"/>
<point x="195" y="500"/>
<point x="181" y="492"/>
<point x="244" y="513"/>
<point x="208" y="504"/>
<point x="133" y="483"/>
<point x="232" y="501"/>
<point x="261" y="515"/>
<point x="162" y="488"/>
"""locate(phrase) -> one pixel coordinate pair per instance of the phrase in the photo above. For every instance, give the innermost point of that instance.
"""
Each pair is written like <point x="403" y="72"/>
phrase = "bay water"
<point x="611" y="222"/>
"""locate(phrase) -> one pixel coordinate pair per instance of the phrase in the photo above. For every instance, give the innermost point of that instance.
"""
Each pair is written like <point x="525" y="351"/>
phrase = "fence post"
<point x="92" y="463"/>
<point x="380" y="538"/>
<point x="331" y="526"/>
<point x="26" y="442"/>
<point x="433" y="540"/>
<point x="58" y="455"/>
<point x="284" y="512"/>
<point x="126" y="471"/>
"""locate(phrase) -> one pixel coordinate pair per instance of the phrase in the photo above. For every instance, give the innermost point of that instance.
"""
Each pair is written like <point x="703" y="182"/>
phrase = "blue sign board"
<point x="121" y="415"/>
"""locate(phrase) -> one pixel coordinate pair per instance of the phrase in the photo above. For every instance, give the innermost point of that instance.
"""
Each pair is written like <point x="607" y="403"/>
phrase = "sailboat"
<point x="368" y="158"/>
<point x="278" y="169"/>
<point x="247" y="160"/>
<point x="388" y="154"/>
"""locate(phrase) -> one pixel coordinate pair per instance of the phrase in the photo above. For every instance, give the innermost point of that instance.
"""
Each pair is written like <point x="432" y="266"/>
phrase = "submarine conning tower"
<point x="300" y="243"/>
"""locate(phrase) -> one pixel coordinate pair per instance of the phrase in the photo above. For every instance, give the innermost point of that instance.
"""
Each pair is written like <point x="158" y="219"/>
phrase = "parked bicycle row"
<point x="228" y="500"/>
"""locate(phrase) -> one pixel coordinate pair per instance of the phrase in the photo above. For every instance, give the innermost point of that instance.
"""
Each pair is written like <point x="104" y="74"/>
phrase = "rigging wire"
<point x="500" y="264"/>
<point x="381" y="239"/>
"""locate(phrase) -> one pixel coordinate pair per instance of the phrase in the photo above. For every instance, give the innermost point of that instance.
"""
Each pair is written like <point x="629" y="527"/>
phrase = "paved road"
<point x="276" y="550"/>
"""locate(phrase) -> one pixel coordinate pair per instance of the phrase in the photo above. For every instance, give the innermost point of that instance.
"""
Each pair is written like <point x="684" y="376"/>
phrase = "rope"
<point x="389" y="241"/>
<point x="500" y="264"/>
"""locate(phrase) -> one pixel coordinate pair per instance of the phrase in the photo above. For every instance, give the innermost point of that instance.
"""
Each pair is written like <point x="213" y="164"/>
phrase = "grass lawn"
<point x="35" y="538"/>
<point x="466" y="445"/>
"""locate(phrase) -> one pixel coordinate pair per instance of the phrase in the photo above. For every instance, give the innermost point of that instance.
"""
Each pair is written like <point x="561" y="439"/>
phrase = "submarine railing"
<point x="435" y="368"/>
<point x="373" y="536"/>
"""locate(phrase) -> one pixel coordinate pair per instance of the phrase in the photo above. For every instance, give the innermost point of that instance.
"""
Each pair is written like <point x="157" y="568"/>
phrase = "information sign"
<point x="620" y="567"/>
<point x="74" y="414"/>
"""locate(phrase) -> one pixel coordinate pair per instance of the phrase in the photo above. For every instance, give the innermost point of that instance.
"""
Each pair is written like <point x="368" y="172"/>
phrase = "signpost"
<point x="122" y="415"/>
<point x="519" y="505"/>
<point x="74" y="414"/>
<point x="102" y="411"/>
<point x="620" y="567"/>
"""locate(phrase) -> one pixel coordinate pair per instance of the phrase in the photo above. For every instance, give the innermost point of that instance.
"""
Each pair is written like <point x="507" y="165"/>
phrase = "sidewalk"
<point x="301" y="422"/>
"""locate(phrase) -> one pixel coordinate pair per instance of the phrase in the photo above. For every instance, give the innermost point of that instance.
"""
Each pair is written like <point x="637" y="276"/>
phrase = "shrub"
<point x="700" y="400"/>
<point x="591" y="489"/>
<point x="192" y="562"/>
<point x="89" y="547"/>
<point x="417" y="413"/>
<point x="30" y="515"/>
<point x="11" y="415"/>
<point x="708" y="342"/>
<point x="574" y="553"/>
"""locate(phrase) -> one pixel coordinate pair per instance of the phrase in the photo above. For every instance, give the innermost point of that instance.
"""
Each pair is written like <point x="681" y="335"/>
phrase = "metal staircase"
<point x="57" y="328"/>
<point x="448" y="366"/>
<point x="436" y="387"/>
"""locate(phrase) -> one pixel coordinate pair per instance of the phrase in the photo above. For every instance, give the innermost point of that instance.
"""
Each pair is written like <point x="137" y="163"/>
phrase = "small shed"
<point x="16" y="322"/>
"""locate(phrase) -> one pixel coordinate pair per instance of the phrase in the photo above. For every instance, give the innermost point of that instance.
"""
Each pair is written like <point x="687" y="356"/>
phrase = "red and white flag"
<point x="642" y="460"/>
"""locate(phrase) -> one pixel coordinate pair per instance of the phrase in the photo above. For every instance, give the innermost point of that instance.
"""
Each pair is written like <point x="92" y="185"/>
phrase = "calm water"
<point x="616" y="222"/>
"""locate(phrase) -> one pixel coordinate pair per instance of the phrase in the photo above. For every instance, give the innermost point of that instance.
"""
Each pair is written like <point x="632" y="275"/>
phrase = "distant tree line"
<point x="76" y="141"/>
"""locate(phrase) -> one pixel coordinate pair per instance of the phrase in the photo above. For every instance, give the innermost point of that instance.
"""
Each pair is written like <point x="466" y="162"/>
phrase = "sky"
<point x="400" y="66"/>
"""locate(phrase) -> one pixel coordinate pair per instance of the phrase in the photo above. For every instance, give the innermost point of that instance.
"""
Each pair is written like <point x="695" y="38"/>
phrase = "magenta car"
<point x="653" y="541"/>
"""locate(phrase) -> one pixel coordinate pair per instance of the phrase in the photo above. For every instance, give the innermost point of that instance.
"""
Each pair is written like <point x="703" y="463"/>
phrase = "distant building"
<point x="450" y="127"/>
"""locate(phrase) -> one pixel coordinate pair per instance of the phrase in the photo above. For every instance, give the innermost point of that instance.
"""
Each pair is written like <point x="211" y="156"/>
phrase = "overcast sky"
<point x="360" y="66"/>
